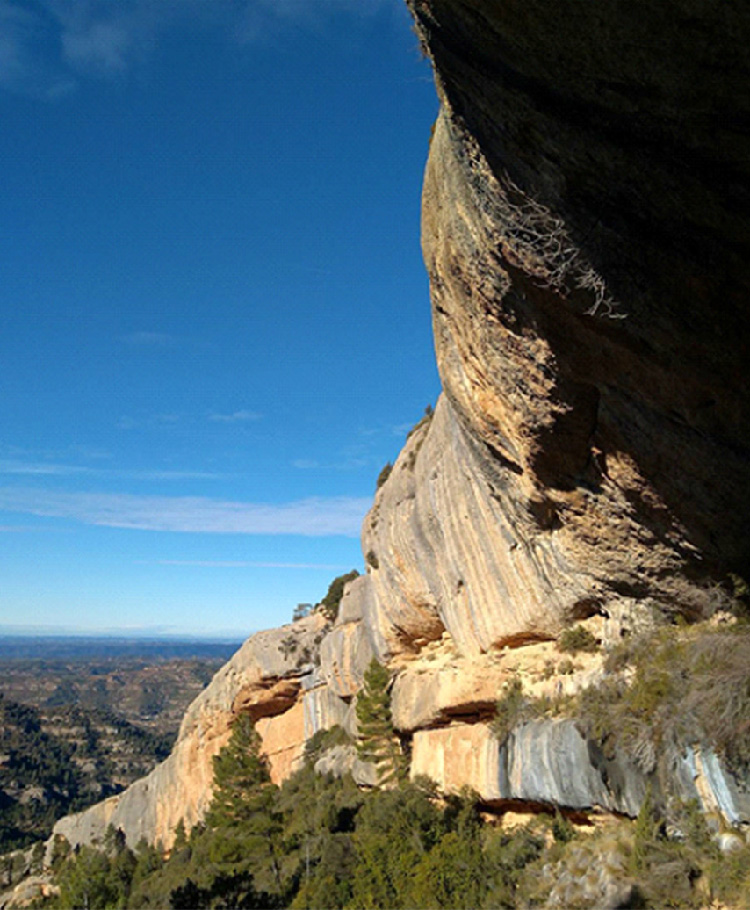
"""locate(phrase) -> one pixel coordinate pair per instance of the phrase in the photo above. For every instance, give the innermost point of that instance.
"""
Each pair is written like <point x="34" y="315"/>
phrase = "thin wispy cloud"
<point x="19" y="455"/>
<point x="150" y="421"/>
<point x="311" y="517"/>
<point x="48" y="47"/>
<point x="243" y="416"/>
<point x="88" y="452"/>
<point x="126" y="422"/>
<point x="103" y="46"/>
<point x="41" y="469"/>
<point x="306" y="464"/>
<point x="20" y="529"/>
<point x="345" y="464"/>
<point x="25" y="65"/>
<point x="169" y="475"/>
<point x="44" y="469"/>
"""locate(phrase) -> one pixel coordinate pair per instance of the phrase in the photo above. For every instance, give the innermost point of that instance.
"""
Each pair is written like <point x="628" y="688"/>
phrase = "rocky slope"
<point x="586" y="233"/>
<point x="273" y="679"/>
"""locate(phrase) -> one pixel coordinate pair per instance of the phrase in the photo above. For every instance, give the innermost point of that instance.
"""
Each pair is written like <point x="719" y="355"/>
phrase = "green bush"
<point x="429" y="413"/>
<point x="577" y="638"/>
<point x="512" y="708"/>
<point x="562" y="829"/>
<point x="331" y="602"/>
<point x="687" y="685"/>
<point x="384" y="474"/>
<point x="376" y="738"/>
<point x="323" y="740"/>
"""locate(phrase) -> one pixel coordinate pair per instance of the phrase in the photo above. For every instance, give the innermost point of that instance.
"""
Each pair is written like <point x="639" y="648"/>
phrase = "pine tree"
<point x="243" y="811"/>
<point x="376" y="739"/>
<point x="240" y="775"/>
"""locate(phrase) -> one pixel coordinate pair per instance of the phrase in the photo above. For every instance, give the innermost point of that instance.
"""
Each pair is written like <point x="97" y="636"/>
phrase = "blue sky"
<point x="214" y="321"/>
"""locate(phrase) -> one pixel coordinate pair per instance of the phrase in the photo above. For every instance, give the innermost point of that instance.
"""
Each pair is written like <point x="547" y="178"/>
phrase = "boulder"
<point x="341" y="760"/>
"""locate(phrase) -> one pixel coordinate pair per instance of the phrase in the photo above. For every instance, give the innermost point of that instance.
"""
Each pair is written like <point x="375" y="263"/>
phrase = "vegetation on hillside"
<point x="684" y="685"/>
<point x="385" y="473"/>
<point x="662" y="692"/>
<point x="314" y="842"/>
<point x="577" y="638"/>
<point x="63" y="760"/>
<point x="318" y="841"/>
<point x="79" y="727"/>
<point x="147" y="690"/>
<point x="429" y="413"/>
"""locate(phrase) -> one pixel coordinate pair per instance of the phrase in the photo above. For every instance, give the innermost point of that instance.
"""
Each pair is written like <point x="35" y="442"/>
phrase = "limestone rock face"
<point x="452" y="553"/>
<point x="425" y="698"/>
<point x="341" y="760"/>
<point x="283" y="739"/>
<point x="263" y="679"/>
<point x="347" y="649"/>
<point x="548" y="762"/>
<point x="586" y="233"/>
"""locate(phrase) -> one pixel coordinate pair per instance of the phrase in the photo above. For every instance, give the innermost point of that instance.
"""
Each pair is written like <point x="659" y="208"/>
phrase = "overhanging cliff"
<point x="586" y="234"/>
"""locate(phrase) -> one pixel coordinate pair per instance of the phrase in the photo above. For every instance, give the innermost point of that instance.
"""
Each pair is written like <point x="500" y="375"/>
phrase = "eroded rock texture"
<point x="455" y="549"/>
<point x="586" y="233"/>
<point x="347" y="649"/>
<point x="548" y="762"/>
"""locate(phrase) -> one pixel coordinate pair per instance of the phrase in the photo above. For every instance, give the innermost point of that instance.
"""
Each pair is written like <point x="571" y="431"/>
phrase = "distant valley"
<point x="82" y="718"/>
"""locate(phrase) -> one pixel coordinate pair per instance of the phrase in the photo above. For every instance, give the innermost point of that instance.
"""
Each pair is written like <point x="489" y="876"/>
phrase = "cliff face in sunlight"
<point x="586" y="233"/>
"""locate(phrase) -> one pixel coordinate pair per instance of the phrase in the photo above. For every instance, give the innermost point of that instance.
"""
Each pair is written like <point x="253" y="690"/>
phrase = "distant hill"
<point x="77" y="647"/>
<point x="82" y="718"/>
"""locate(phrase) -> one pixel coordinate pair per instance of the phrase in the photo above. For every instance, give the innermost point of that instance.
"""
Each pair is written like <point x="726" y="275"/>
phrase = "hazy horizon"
<point x="144" y="633"/>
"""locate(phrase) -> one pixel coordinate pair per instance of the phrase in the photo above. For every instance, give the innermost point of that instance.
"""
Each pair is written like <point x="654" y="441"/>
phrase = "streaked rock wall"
<point x="548" y="762"/>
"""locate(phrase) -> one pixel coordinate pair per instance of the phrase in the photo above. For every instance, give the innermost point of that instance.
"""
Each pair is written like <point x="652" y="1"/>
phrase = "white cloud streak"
<point x="49" y="469"/>
<point x="126" y="422"/>
<point x="19" y="529"/>
<point x="312" y="517"/>
<point x="235" y="417"/>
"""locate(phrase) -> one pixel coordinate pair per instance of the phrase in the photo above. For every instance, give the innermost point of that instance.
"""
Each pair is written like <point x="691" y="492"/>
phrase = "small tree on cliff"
<point x="376" y="739"/>
<point x="330" y="603"/>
